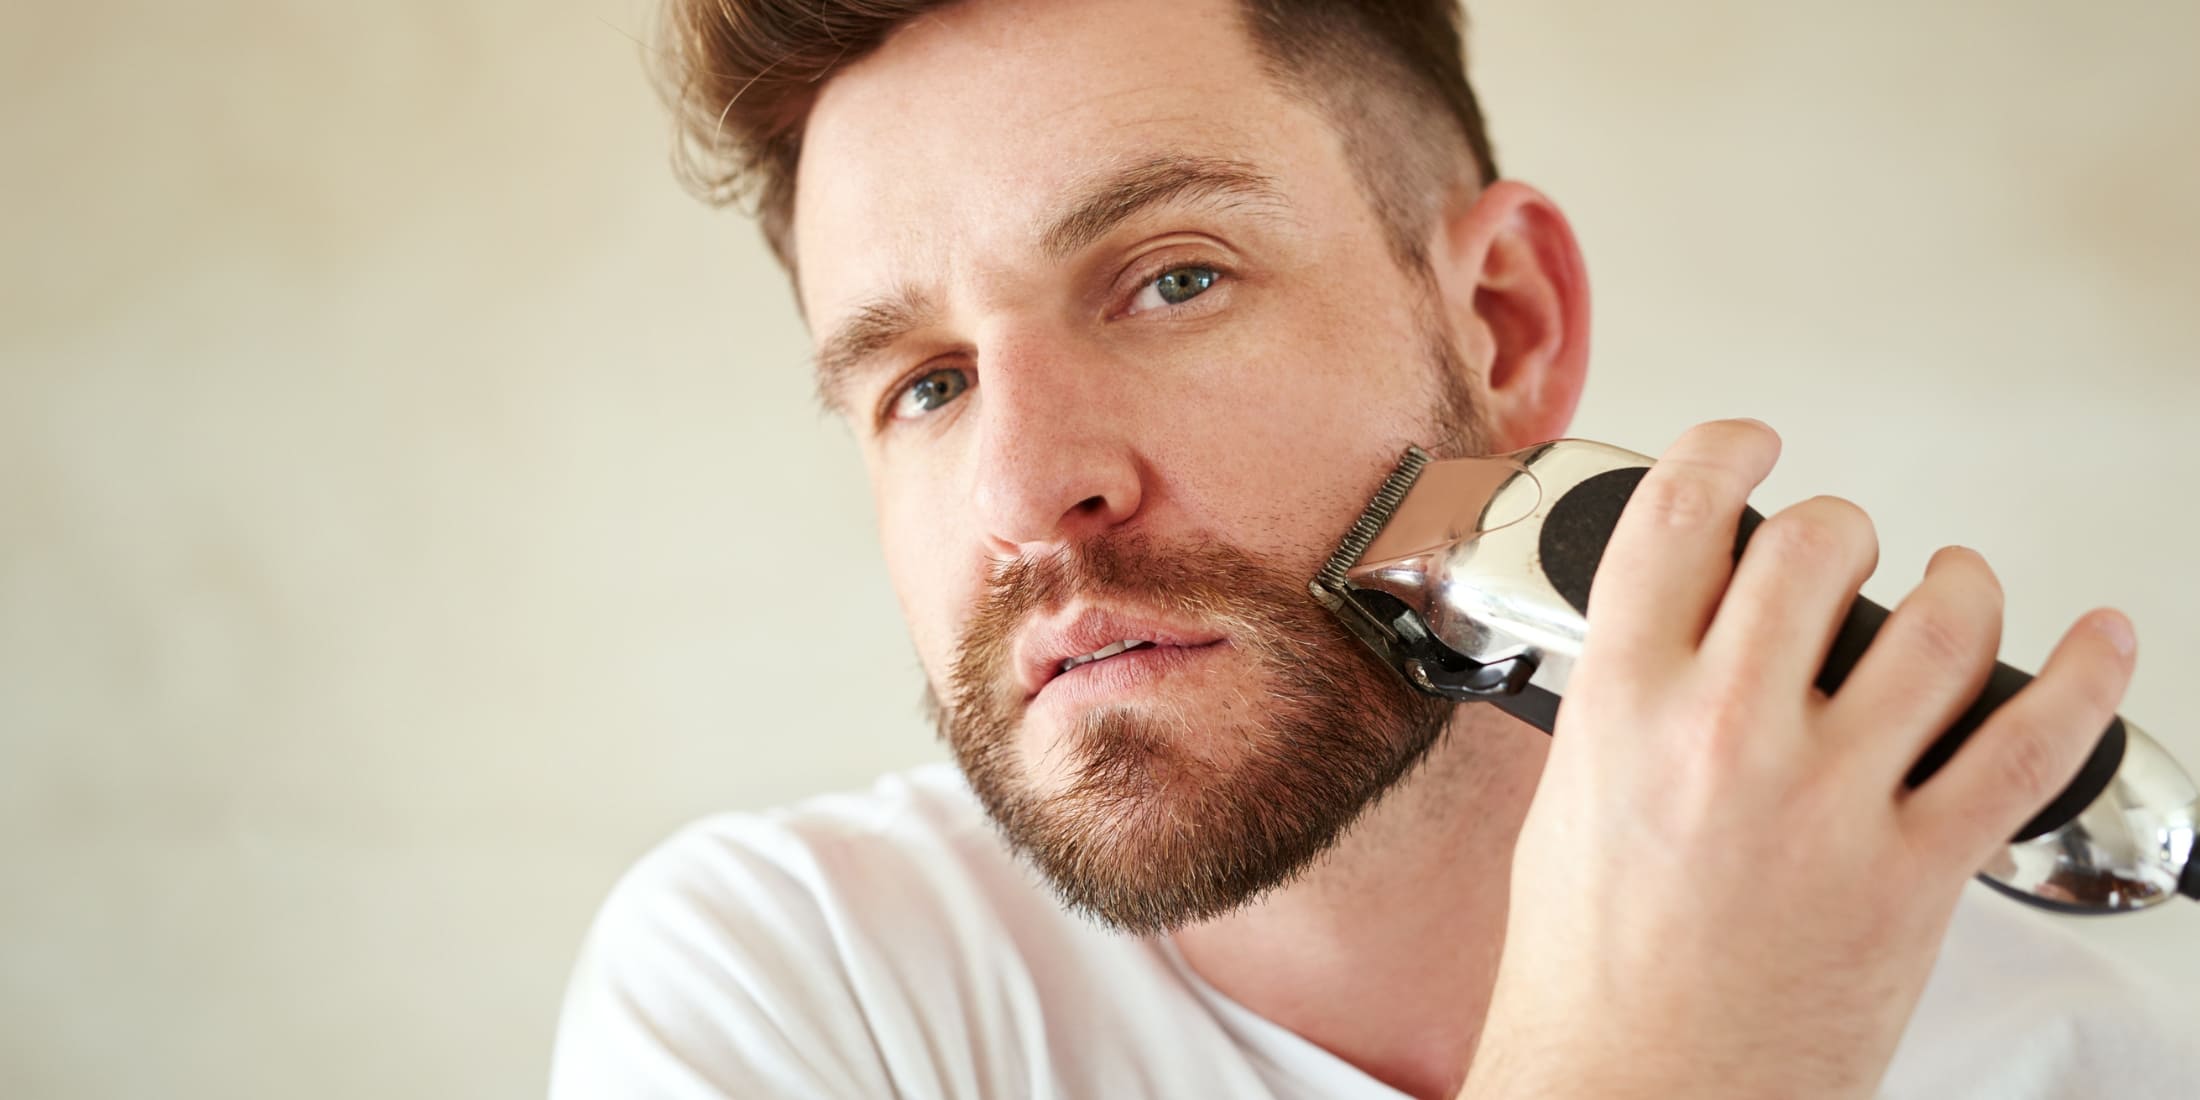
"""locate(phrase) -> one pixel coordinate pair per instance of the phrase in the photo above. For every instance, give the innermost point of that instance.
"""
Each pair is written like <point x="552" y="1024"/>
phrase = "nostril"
<point x="1092" y="504"/>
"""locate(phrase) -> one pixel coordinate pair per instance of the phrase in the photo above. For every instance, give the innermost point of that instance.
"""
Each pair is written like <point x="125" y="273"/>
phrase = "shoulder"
<point x="2021" y="1006"/>
<point x="892" y="877"/>
<point x="920" y="828"/>
<point x="725" y="961"/>
<point x="873" y="943"/>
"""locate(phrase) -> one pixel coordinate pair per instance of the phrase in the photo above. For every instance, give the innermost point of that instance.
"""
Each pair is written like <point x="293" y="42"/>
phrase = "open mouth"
<point x="1097" y="649"/>
<point x="1131" y="665"/>
<point x="1103" y="653"/>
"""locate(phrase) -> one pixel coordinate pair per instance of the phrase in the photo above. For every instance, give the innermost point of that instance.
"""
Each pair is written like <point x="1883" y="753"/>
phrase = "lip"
<point x="1043" y="647"/>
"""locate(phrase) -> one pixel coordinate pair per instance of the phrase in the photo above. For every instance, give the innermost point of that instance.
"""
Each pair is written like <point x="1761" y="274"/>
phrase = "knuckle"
<point x="1725" y="700"/>
<point x="1808" y="539"/>
<point x="1729" y="702"/>
<point x="2030" y="762"/>
<point x="2041" y="744"/>
<point x="1939" y="635"/>
<point x="1712" y="742"/>
<point x="1684" y="500"/>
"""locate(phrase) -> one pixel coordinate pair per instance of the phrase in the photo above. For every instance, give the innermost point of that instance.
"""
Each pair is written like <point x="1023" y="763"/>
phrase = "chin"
<point x="1147" y="822"/>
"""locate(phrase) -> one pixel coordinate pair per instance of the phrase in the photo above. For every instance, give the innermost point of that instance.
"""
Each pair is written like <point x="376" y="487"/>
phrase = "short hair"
<point x="1389" y="75"/>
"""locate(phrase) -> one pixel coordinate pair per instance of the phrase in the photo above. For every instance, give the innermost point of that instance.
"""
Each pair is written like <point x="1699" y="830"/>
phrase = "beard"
<point x="1158" y="824"/>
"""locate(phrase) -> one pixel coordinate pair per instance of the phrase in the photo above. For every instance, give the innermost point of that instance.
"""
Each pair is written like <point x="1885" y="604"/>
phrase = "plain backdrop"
<point x="412" y="506"/>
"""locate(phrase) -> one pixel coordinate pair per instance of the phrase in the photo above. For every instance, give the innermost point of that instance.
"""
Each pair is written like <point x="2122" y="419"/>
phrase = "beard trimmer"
<point x="1470" y="577"/>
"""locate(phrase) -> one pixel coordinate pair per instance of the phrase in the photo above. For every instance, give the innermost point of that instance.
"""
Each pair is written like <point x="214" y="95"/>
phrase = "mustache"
<point x="1204" y="580"/>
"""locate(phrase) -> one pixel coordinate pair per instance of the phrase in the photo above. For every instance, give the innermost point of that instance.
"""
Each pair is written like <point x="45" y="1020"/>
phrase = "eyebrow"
<point x="1114" y="198"/>
<point x="1096" y="208"/>
<point x="872" y="327"/>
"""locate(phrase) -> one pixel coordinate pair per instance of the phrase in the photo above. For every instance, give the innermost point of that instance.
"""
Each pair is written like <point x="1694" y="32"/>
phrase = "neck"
<point x="1384" y="952"/>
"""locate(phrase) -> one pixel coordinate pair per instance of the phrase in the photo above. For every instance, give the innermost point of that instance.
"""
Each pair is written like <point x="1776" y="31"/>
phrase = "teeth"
<point x="1105" y="652"/>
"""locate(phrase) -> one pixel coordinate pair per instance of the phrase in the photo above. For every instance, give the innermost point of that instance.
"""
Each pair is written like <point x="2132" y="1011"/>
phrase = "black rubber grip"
<point x="1580" y="525"/>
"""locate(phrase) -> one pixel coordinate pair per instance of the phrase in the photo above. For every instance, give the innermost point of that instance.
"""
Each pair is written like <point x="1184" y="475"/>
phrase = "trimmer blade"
<point x="1372" y="518"/>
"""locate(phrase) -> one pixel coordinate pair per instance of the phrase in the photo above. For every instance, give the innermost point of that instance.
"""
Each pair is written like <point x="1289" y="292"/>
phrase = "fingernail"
<point x="2117" y="630"/>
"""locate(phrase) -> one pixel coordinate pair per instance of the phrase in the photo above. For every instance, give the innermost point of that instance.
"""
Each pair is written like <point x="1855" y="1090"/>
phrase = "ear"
<point x="1510" y="280"/>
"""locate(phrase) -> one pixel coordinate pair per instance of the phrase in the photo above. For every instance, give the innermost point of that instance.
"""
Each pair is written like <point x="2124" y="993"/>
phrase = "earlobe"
<point x="1511" y="278"/>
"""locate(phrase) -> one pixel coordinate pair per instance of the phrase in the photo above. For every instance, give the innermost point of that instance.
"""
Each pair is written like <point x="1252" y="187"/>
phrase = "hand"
<point x="1722" y="887"/>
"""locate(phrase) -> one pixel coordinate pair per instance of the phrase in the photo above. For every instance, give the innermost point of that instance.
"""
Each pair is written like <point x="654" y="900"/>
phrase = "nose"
<point x="1056" y="463"/>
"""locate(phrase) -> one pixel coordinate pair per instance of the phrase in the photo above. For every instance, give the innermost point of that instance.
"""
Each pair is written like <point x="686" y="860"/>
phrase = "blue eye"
<point x="930" y="392"/>
<point x="1184" y="284"/>
<point x="1175" y="287"/>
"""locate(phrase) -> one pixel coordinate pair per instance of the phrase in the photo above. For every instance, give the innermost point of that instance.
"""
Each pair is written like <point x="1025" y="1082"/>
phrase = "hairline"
<point x="1300" y="79"/>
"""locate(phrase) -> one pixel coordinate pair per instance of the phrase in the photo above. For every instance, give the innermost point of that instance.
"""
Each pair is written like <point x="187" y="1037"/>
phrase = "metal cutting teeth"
<point x="1373" y="517"/>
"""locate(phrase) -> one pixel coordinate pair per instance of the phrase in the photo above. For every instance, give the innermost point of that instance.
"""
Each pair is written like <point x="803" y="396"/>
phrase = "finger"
<point x="1790" y="593"/>
<point x="1673" y="548"/>
<point x="2030" y="749"/>
<point x="1926" y="666"/>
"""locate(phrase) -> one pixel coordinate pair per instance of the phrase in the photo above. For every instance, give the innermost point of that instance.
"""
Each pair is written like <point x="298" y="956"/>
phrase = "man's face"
<point x="1126" y="350"/>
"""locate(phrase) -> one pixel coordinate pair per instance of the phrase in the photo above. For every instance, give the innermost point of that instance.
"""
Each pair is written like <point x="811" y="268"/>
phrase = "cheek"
<point x="932" y="581"/>
<point x="1310" y="413"/>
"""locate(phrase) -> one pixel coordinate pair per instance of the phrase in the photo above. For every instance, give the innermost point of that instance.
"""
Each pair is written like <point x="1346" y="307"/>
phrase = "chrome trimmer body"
<point x="1471" y="578"/>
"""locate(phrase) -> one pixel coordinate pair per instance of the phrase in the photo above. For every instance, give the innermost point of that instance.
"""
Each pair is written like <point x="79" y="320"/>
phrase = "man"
<point x="1130" y="306"/>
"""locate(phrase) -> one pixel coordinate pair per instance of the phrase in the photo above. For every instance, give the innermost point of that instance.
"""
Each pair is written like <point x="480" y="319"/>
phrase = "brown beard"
<point x="1152" y="834"/>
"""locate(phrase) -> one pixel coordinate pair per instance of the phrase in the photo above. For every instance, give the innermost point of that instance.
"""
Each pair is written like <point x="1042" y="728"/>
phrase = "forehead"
<point x="948" y="148"/>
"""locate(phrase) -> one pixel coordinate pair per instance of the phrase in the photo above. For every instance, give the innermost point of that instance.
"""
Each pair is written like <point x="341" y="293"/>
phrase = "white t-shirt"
<point x="888" y="944"/>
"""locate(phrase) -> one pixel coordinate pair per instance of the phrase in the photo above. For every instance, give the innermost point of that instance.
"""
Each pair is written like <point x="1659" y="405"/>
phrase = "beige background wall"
<point x="410" y="507"/>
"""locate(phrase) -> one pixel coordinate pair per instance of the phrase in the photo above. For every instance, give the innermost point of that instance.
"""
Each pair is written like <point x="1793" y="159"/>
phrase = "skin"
<point x="1262" y="413"/>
